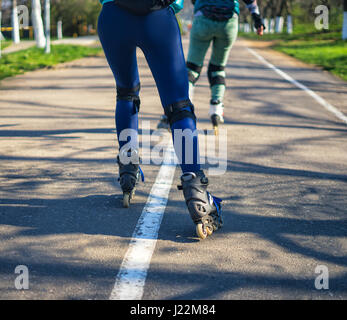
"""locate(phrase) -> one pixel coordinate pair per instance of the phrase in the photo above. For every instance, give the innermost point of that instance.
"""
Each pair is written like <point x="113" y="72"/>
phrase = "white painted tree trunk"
<point x="60" y="30"/>
<point x="344" y="28"/>
<point x="1" y="35"/>
<point x="269" y="25"/>
<point x="48" y="26"/>
<point x="289" y="24"/>
<point x="272" y="25"/>
<point x="15" y="24"/>
<point x="279" y="24"/>
<point x="266" y="23"/>
<point x="0" y="29"/>
<point x="37" y="24"/>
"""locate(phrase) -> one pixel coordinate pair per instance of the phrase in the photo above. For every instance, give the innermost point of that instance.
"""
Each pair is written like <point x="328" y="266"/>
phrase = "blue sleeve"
<point x="177" y="5"/>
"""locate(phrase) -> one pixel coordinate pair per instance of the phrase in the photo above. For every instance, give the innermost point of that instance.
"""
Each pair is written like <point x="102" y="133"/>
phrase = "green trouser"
<point x="222" y="34"/>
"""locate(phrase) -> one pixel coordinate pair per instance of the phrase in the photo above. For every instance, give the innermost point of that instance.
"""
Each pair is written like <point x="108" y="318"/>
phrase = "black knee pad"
<point x="193" y="67"/>
<point x="214" y="80"/>
<point x="179" y="110"/>
<point x="130" y="95"/>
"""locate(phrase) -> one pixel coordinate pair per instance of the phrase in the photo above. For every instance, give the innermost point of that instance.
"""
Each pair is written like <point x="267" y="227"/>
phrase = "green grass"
<point x="5" y="44"/>
<point x="34" y="58"/>
<point x="331" y="55"/>
<point x="321" y="48"/>
<point x="300" y="32"/>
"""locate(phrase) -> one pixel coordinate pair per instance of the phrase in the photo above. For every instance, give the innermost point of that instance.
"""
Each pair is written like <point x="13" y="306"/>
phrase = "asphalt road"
<point x="284" y="188"/>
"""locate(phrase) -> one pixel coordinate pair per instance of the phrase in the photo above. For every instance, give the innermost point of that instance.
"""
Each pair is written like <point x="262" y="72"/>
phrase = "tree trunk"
<point x="344" y="28"/>
<point x="15" y="23"/>
<point x="48" y="26"/>
<point x="1" y="36"/>
<point x="60" y="29"/>
<point x="0" y="28"/>
<point x="37" y="24"/>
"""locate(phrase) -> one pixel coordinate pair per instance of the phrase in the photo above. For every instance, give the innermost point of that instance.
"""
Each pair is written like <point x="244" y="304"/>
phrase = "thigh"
<point x="162" y="47"/>
<point x="201" y="36"/>
<point x="117" y="36"/>
<point x="224" y="41"/>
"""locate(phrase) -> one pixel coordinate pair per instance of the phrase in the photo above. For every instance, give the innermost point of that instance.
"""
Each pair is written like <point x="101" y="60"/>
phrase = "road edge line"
<point x="314" y="95"/>
<point x="130" y="281"/>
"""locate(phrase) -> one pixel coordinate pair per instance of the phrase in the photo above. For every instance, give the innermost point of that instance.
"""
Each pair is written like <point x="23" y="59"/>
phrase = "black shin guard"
<point x="179" y="110"/>
<point x="192" y="67"/>
<point x="215" y="80"/>
<point x="130" y="95"/>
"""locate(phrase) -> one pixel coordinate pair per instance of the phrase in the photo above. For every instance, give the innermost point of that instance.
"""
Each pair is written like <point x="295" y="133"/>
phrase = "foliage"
<point x="302" y="11"/>
<point x="76" y="15"/>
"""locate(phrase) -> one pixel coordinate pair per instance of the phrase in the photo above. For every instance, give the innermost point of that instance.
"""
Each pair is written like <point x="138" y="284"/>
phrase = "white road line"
<point x="314" y="95"/>
<point x="132" y="275"/>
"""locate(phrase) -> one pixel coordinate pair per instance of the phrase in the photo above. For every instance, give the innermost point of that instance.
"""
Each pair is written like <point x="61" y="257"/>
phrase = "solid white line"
<point x="132" y="275"/>
<point x="314" y="95"/>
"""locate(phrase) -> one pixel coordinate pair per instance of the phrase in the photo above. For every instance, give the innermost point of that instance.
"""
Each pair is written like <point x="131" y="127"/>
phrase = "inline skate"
<point x="217" y="114"/>
<point x="205" y="209"/>
<point x="130" y="174"/>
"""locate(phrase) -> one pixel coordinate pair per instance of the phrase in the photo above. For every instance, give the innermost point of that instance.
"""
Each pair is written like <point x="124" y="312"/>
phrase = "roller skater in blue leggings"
<point x="151" y="25"/>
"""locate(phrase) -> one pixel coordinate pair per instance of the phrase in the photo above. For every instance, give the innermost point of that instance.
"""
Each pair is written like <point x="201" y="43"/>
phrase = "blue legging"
<point x="158" y="36"/>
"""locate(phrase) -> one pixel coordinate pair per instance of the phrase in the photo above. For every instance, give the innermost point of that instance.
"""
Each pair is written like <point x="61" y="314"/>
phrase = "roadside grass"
<point x="300" y="32"/>
<point x="321" y="48"/>
<point x="331" y="55"/>
<point x="34" y="58"/>
<point x="5" y="44"/>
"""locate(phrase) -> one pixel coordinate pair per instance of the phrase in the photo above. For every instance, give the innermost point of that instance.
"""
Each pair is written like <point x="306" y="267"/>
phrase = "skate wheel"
<point x="201" y="231"/>
<point x="209" y="230"/>
<point x="126" y="200"/>
<point x="215" y="129"/>
<point x="132" y="194"/>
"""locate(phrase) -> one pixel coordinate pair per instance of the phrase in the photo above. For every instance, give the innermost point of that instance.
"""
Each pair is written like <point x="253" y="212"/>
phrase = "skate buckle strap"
<point x="217" y="203"/>
<point x="142" y="175"/>
<point x="186" y="177"/>
<point x="179" y="110"/>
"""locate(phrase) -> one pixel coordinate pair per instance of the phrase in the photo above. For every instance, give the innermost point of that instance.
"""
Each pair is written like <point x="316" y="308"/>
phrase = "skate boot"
<point x="163" y="123"/>
<point x="191" y="91"/>
<point x="204" y="209"/>
<point x="217" y="114"/>
<point x="129" y="176"/>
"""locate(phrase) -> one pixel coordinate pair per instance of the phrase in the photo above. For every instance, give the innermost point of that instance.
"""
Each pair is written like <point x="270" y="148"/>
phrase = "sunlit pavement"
<point x="284" y="189"/>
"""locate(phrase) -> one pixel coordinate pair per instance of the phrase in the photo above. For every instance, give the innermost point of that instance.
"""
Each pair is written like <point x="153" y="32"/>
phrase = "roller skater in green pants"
<point x="216" y="22"/>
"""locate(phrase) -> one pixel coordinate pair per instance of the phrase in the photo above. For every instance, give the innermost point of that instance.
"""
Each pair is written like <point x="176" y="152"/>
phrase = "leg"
<point x="166" y="59"/>
<point x="120" y="51"/>
<point x="161" y="44"/>
<point x="200" y="39"/>
<point x="222" y="45"/>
